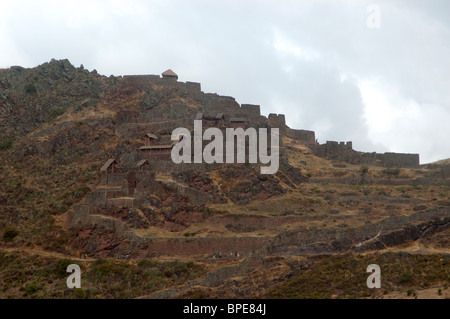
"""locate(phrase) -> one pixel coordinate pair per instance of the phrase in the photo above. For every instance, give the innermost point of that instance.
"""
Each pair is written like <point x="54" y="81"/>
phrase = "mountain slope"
<point x="60" y="124"/>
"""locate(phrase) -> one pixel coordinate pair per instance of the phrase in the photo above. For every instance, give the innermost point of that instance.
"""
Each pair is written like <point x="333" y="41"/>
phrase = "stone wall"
<point x="144" y="179"/>
<point x="198" y="246"/>
<point x="115" y="179"/>
<point x="194" y="196"/>
<point x="364" y="158"/>
<point x="78" y="215"/>
<point x="193" y="89"/>
<point x="308" y="137"/>
<point x="96" y="198"/>
<point x="343" y="152"/>
<point x="277" y="120"/>
<point x="214" y="103"/>
<point x="401" y="160"/>
<point x="334" y="150"/>
<point x="122" y="202"/>
<point x="251" y="110"/>
<point x="113" y="193"/>
<point x="169" y="166"/>
<point x="108" y="223"/>
<point x="138" y="80"/>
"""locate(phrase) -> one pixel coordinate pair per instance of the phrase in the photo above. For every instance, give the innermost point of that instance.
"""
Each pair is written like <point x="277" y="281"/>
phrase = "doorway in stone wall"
<point x="132" y="182"/>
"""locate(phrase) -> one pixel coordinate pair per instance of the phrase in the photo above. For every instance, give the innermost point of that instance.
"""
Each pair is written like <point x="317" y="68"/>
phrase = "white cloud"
<point x="288" y="47"/>
<point x="403" y="124"/>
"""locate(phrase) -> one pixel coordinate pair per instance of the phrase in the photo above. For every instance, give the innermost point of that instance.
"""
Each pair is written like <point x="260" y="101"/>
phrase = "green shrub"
<point x="80" y="192"/>
<point x="31" y="288"/>
<point x="5" y="145"/>
<point x="104" y="269"/>
<point x="30" y="88"/>
<point x="405" y="278"/>
<point x="392" y="171"/>
<point x="80" y="293"/>
<point x="189" y="234"/>
<point x="144" y="263"/>
<point x="198" y="294"/>
<point x="10" y="234"/>
<point x="101" y="270"/>
<point x="61" y="266"/>
<point x="364" y="170"/>
<point x="56" y="113"/>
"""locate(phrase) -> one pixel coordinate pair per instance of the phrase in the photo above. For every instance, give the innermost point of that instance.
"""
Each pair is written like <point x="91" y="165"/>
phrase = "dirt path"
<point x="44" y="253"/>
<point x="416" y="248"/>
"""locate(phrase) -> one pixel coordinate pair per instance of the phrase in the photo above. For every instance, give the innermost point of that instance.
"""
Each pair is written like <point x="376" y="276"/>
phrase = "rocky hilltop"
<point x="85" y="168"/>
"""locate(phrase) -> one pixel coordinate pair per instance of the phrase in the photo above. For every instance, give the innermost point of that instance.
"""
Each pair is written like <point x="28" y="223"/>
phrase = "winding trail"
<point x="44" y="253"/>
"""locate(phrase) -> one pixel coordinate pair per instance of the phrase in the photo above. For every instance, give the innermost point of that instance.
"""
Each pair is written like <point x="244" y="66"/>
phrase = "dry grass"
<point x="442" y="162"/>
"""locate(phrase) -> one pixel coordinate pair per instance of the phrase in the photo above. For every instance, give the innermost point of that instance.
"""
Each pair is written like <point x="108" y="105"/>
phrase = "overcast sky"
<point x="375" y="75"/>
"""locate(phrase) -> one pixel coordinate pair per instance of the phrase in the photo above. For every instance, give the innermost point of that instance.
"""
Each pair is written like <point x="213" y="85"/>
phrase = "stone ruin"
<point x="222" y="112"/>
<point x="343" y="151"/>
<point x="126" y="184"/>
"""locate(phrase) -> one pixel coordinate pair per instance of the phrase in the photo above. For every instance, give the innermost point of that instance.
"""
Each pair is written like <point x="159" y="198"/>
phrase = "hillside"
<point x="442" y="162"/>
<point x="80" y="175"/>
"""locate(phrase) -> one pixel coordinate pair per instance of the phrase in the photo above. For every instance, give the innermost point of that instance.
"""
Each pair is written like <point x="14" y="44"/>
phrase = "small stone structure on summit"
<point x="169" y="74"/>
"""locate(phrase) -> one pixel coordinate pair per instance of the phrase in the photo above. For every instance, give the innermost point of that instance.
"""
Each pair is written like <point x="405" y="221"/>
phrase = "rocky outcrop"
<point x="31" y="97"/>
<point x="387" y="233"/>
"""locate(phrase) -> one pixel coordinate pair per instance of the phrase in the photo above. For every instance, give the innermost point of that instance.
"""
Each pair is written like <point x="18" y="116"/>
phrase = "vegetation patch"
<point x="6" y="145"/>
<point x="344" y="276"/>
<point x="392" y="171"/>
<point x="10" y="234"/>
<point x="37" y="277"/>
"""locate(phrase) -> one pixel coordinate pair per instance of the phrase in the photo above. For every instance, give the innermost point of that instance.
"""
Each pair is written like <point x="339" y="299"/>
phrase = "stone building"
<point x="109" y="167"/>
<point x="170" y="75"/>
<point x="156" y="152"/>
<point x="122" y="181"/>
<point x="209" y="120"/>
<point x="150" y="139"/>
<point x="143" y="165"/>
